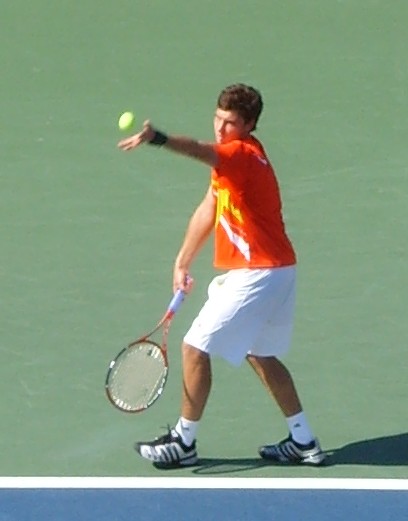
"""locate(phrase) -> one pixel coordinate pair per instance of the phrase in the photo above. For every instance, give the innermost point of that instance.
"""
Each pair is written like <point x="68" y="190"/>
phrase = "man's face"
<point x="229" y="125"/>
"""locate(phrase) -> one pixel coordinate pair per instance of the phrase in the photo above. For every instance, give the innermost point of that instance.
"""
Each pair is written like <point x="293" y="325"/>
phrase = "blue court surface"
<point x="215" y="499"/>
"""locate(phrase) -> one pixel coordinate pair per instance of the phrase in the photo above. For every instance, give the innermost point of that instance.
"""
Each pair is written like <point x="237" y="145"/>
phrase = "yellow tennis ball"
<point x="126" y="120"/>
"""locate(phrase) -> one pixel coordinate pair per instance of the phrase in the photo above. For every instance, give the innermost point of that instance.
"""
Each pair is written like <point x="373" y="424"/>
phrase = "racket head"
<point x="137" y="376"/>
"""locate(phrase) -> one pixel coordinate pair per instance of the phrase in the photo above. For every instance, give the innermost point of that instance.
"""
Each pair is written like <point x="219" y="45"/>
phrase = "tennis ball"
<point x="126" y="120"/>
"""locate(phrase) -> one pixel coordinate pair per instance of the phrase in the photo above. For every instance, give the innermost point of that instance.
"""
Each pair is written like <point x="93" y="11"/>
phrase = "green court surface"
<point x="89" y="234"/>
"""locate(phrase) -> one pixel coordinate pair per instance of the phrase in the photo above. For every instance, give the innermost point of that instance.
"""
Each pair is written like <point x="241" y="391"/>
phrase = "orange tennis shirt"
<point x="249" y="228"/>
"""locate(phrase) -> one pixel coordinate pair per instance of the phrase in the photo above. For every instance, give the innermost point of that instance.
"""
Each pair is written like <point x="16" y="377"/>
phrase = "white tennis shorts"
<point x="248" y="311"/>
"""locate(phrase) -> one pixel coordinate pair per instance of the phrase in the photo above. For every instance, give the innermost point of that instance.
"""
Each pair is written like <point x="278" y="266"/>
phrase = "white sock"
<point x="187" y="430"/>
<point x="299" y="428"/>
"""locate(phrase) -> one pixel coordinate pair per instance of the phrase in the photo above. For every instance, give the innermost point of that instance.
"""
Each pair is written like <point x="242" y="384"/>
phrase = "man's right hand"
<point x="182" y="280"/>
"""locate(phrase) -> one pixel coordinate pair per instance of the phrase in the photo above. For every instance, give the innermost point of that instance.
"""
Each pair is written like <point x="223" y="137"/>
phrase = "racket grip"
<point x="176" y="301"/>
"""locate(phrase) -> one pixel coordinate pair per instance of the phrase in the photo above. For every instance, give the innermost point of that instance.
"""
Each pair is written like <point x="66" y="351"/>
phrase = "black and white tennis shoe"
<point x="290" y="452"/>
<point x="168" y="451"/>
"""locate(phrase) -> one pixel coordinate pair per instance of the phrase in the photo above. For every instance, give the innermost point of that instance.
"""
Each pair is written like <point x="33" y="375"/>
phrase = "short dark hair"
<point x="244" y="100"/>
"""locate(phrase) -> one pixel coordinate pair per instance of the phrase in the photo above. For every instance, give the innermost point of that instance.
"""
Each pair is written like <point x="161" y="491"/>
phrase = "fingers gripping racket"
<point x="137" y="376"/>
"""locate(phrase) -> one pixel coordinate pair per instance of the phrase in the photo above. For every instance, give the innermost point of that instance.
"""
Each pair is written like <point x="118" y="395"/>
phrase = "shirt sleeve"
<point x="231" y="160"/>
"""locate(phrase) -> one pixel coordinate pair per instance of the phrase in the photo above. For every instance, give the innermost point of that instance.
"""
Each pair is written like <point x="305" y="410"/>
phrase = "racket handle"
<point x="176" y="301"/>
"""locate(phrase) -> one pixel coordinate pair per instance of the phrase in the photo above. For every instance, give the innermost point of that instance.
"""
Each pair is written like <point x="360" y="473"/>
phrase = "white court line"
<point x="200" y="483"/>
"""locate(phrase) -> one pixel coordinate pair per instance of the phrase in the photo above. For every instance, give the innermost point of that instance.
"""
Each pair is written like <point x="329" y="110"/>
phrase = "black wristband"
<point x="158" y="139"/>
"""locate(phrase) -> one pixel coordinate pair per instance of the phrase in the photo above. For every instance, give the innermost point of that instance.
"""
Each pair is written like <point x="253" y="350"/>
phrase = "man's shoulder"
<point x="239" y="154"/>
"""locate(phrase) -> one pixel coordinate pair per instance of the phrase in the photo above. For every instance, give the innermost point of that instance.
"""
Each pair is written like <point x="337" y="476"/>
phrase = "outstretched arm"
<point x="198" y="231"/>
<point x="185" y="146"/>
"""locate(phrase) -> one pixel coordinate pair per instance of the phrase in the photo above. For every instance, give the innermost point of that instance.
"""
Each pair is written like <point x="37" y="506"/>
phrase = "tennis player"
<point x="250" y="307"/>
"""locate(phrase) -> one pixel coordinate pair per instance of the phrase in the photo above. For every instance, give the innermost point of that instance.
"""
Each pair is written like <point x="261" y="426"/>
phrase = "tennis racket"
<point x="137" y="376"/>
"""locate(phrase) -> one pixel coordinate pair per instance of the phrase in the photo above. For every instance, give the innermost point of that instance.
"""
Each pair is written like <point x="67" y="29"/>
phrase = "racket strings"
<point x="137" y="377"/>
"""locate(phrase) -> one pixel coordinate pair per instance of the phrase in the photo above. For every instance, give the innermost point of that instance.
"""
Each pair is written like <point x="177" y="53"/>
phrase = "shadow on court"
<point x="386" y="451"/>
<point x="228" y="465"/>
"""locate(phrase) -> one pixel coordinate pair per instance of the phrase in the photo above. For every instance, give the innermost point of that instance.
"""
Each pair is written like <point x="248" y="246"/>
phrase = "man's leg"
<point x="301" y="446"/>
<point x="278" y="382"/>
<point x="196" y="389"/>
<point x="178" y="448"/>
<point x="196" y="382"/>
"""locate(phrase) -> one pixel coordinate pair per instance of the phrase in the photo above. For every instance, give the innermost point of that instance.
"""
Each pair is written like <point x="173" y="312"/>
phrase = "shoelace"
<point x="168" y="437"/>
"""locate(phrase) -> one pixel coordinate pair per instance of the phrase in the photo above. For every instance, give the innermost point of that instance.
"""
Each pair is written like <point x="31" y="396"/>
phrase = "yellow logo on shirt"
<point x="224" y="203"/>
